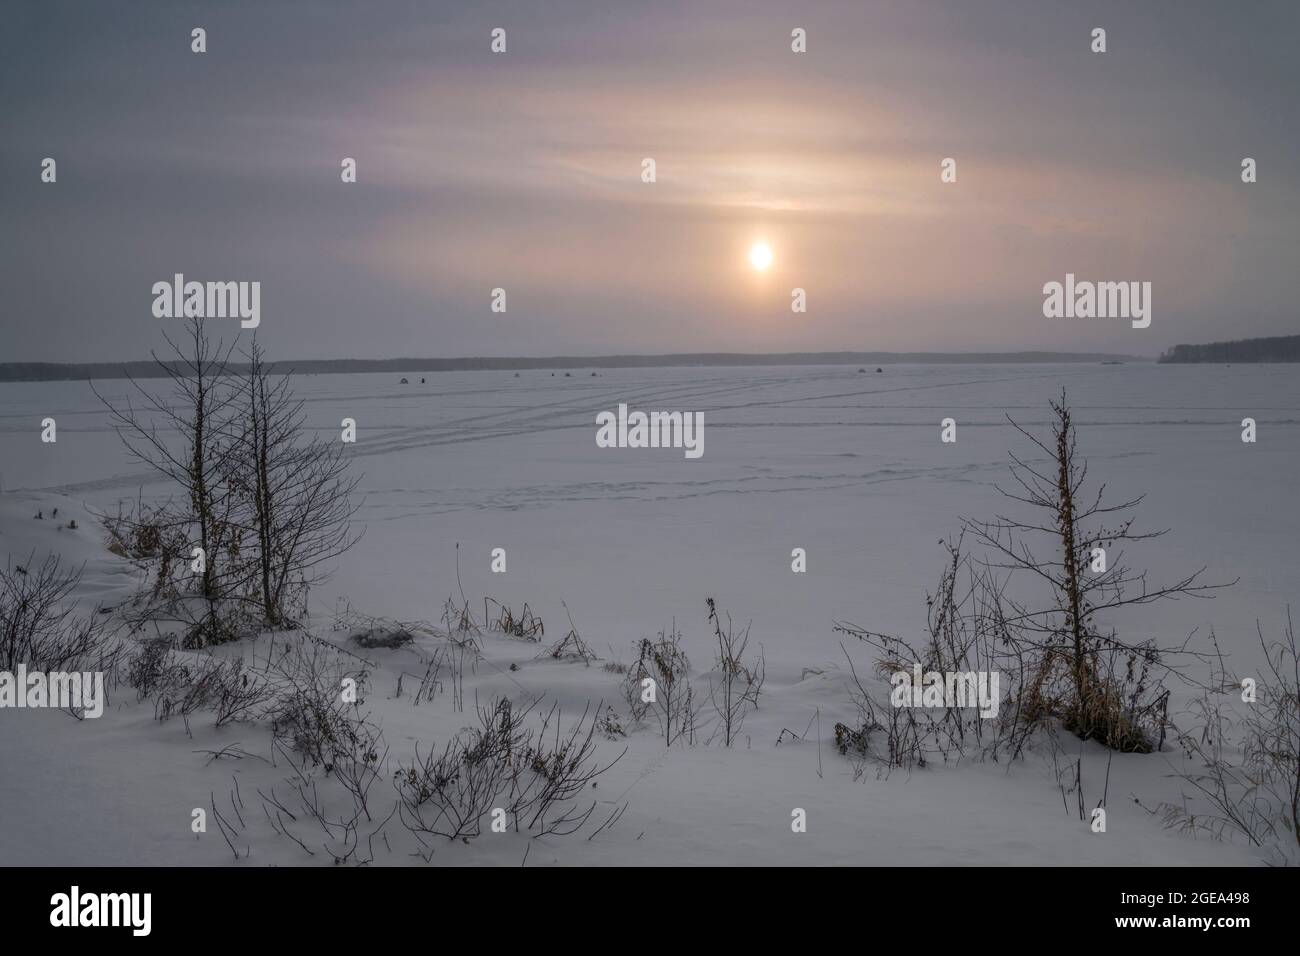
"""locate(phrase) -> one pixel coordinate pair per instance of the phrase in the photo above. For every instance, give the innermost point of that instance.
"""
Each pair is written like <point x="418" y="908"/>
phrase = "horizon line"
<point x="151" y="368"/>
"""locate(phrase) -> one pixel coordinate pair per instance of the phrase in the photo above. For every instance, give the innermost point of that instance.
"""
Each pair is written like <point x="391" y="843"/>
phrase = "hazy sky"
<point x="522" y="171"/>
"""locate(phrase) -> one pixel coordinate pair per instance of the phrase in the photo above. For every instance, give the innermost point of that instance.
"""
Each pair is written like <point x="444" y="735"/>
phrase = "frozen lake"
<point x="848" y="466"/>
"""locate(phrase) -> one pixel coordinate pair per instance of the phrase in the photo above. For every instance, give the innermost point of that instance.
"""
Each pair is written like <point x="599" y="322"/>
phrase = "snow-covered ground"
<point x="846" y="465"/>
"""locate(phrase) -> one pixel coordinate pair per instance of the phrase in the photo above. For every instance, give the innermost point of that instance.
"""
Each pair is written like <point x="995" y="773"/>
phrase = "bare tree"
<point x="1026" y="611"/>
<point x="186" y="437"/>
<point x="267" y="504"/>
<point x="296" y="492"/>
<point x="1082" y="566"/>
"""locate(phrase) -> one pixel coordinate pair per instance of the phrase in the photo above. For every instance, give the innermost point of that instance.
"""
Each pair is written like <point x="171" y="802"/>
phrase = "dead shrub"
<point x="39" y="625"/>
<point x="668" y="695"/>
<point x="533" y="777"/>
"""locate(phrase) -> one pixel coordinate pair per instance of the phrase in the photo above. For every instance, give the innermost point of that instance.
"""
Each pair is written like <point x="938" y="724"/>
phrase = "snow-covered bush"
<point x="658" y="684"/>
<point x="1248" y="746"/>
<point x="530" y="779"/>
<point x="39" y="625"/>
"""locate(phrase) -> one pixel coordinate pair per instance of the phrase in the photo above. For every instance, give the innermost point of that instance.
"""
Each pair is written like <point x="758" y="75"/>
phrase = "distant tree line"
<point x="1281" y="348"/>
<point x="57" y="371"/>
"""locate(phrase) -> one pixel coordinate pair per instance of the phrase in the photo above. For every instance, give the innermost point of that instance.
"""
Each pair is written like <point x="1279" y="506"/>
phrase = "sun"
<point x="760" y="256"/>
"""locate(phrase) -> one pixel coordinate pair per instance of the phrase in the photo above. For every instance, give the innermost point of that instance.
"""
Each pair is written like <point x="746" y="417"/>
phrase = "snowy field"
<point x="848" y="466"/>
